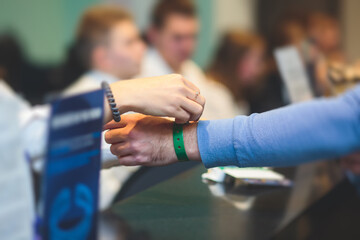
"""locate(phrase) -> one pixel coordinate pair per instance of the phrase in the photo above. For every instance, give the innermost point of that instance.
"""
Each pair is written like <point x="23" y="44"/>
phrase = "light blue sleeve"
<point x="320" y="129"/>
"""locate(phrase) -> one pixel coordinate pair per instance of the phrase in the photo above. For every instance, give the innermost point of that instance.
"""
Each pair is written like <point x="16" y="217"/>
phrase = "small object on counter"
<point x="248" y="176"/>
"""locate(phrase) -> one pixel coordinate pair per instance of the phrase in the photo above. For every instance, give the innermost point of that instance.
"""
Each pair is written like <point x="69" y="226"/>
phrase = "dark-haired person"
<point x="239" y="64"/>
<point x="173" y="35"/>
<point x="19" y="73"/>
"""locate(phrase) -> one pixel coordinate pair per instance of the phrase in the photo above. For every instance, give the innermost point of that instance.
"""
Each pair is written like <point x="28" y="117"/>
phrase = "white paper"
<point x="293" y="73"/>
<point x="253" y="173"/>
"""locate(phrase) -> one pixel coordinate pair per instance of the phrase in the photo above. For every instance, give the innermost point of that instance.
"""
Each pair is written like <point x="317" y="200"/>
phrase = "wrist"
<point x="123" y="95"/>
<point x="190" y="141"/>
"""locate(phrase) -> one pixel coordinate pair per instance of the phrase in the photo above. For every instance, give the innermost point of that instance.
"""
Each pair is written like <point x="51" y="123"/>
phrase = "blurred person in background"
<point x="324" y="31"/>
<point x="11" y="61"/>
<point x="108" y="48"/>
<point x="324" y="35"/>
<point x="239" y="64"/>
<point x="23" y="77"/>
<point x="173" y="36"/>
<point x="288" y="30"/>
<point x="291" y="30"/>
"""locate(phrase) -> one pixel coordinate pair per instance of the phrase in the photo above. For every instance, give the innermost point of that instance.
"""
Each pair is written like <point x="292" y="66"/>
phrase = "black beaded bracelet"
<point x="111" y="100"/>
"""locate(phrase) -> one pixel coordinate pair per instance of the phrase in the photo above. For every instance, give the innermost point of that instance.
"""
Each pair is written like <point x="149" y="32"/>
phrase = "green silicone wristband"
<point x="179" y="143"/>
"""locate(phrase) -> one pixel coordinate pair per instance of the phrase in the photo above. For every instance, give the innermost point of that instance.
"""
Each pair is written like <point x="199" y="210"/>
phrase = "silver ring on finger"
<point x="197" y="94"/>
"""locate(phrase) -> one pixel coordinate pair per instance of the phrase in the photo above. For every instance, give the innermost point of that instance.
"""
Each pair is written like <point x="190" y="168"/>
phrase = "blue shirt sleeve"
<point x="324" y="128"/>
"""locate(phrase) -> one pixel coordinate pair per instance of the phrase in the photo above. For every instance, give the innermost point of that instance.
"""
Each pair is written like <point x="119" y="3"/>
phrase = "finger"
<point x="195" y="96"/>
<point x="200" y="99"/>
<point x="120" y="149"/>
<point x="195" y="110"/>
<point x="115" y="136"/>
<point x="112" y="124"/>
<point x="191" y="85"/>
<point x="181" y="116"/>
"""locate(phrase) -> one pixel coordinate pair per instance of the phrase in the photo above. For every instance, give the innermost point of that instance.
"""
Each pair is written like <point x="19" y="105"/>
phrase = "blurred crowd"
<point x="242" y="76"/>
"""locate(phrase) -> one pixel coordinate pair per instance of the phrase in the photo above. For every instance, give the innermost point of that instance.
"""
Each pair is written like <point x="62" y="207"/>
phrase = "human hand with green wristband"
<point x="151" y="141"/>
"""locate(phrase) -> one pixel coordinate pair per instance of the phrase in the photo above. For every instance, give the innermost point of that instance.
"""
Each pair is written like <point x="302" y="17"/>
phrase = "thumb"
<point x="112" y="124"/>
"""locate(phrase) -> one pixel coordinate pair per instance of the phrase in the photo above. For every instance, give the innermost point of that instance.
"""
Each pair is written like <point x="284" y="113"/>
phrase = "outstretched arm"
<point x="292" y="135"/>
<point x="323" y="128"/>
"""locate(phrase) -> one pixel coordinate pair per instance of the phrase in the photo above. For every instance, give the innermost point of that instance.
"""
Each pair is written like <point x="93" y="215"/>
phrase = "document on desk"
<point x="16" y="198"/>
<point x="71" y="173"/>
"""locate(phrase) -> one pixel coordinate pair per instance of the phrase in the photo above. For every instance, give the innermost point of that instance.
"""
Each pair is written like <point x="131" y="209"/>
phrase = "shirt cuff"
<point x="215" y="141"/>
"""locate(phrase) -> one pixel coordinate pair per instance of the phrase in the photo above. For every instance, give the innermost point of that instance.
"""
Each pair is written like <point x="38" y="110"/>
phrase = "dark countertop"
<point x="184" y="207"/>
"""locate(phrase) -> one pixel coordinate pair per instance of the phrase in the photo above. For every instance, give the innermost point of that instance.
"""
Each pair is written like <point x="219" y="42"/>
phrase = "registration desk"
<point x="320" y="205"/>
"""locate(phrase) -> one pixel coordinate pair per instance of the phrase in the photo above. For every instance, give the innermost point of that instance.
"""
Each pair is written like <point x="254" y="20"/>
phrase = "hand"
<point x="148" y="141"/>
<point x="168" y="96"/>
<point x="352" y="163"/>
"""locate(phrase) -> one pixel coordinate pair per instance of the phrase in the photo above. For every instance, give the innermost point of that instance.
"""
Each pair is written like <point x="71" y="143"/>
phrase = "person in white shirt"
<point x="173" y="36"/>
<point x="111" y="50"/>
<point x="110" y="47"/>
